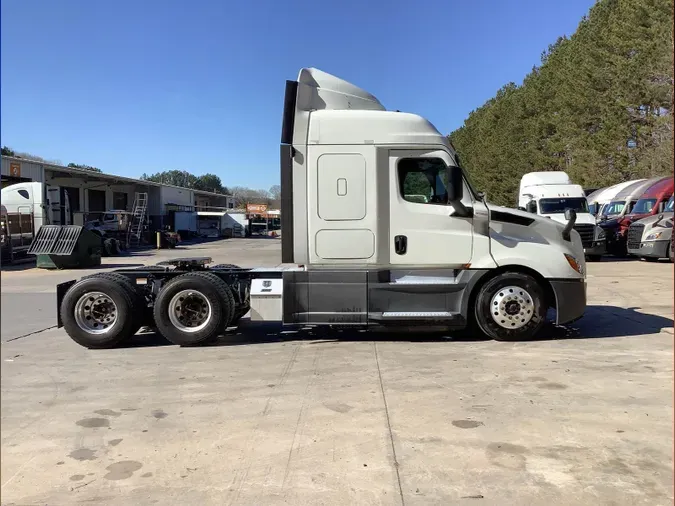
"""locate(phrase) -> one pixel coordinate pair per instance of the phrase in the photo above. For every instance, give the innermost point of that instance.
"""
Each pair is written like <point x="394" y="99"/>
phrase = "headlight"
<point x="601" y="233"/>
<point x="574" y="264"/>
<point x="654" y="236"/>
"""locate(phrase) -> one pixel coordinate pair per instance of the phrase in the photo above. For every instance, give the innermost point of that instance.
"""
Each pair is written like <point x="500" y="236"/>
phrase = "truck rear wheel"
<point x="142" y="314"/>
<point x="245" y="304"/>
<point x="97" y="312"/>
<point x="511" y="307"/>
<point x="671" y="250"/>
<point x="193" y="308"/>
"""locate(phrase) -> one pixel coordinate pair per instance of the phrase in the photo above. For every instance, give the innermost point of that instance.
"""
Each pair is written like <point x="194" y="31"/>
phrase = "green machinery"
<point x="66" y="247"/>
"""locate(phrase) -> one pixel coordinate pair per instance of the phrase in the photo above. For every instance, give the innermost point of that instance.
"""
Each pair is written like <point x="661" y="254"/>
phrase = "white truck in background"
<point x="360" y="248"/>
<point x="549" y="194"/>
<point x="26" y="207"/>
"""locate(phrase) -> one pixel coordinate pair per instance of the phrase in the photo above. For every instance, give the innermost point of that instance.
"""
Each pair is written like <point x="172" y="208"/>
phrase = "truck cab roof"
<point x="604" y="195"/>
<point x="342" y="113"/>
<point x="661" y="188"/>
<point x="545" y="178"/>
<point x="633" y="191"/>
<point x="555" y="190"/>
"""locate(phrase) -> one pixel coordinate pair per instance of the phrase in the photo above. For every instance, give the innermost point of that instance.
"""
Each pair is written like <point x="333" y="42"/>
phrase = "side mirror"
<point x="455" y="184"/>
<point x="531" y="207"/>
<point x="571" y="217"/>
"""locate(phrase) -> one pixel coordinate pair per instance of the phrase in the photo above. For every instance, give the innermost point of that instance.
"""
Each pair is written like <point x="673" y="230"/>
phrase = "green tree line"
<point x="599" y="106"/>
<point x="206" y="182"/>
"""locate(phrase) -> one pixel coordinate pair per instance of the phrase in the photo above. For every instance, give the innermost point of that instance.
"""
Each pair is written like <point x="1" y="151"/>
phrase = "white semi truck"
<point x="26" y="207"/>
<point x="360" y="247"/>
<point x="549" y="194"/>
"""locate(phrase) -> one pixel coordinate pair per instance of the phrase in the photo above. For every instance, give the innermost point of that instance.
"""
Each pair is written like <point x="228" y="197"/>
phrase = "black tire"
<point x="671" y="251"/>
<point x="483" y="310"/>
<point x="231" y="302"/>
<point x="142" y="315"/>
<point x="594" y="258"/>
<point x="123" y="326"/>
<point x="239" y="314"/>
<point x="209" y="286"/>
<point x="116" y="247"/>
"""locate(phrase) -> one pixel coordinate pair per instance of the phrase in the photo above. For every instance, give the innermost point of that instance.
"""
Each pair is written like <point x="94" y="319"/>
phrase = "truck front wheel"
<point x="193" y="308"/>
<point x="511" y="307"/>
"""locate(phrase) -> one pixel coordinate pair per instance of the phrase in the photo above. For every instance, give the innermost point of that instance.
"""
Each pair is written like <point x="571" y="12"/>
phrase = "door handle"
<point x="400" y="244"/>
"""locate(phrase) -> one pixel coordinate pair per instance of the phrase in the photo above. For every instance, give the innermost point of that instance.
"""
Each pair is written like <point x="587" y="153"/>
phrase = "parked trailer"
<point x="390" y="261"/>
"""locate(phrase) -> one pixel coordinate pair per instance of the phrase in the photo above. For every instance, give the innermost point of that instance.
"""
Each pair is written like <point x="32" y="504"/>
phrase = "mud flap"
<point x="61" y="290"/>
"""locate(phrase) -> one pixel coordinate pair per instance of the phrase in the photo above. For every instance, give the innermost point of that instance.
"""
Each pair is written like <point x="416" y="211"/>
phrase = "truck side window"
<point x="23" y="193"/>
<point x="423" y="180"/>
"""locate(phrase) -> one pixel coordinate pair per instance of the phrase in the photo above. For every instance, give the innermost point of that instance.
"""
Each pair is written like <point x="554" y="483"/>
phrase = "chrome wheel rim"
<point x="190" y="311"/>
<point x="96" y="313"/>
<point x="512" y="307"/>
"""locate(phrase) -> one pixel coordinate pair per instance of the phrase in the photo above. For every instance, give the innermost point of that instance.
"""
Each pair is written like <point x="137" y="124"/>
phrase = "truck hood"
<point x="539" y="220"/>
<point x="522" y="238"/>
<point x="650" y="220"/>
<point x="582" y="218"/>
<point x="609" y="224"/>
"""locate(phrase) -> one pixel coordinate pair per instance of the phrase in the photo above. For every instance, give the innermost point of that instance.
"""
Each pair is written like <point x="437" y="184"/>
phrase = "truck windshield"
<point x="613" y="208"/>
<point x="669" y="206"/>
<point x="643" y="206"/>
<point x="558" y="205"/>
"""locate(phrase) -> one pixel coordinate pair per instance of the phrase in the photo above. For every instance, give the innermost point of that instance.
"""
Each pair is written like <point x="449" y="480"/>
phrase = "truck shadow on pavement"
<point x="599" y="322"/>
<point x="22" y="265"/>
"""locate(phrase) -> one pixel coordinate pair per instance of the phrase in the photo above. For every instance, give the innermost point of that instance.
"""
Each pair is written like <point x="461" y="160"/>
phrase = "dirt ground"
<point x="583" y="415"/>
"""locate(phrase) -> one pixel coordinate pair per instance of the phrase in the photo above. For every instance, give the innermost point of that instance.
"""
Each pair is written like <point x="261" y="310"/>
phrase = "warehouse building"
<point x="95" y="192"/>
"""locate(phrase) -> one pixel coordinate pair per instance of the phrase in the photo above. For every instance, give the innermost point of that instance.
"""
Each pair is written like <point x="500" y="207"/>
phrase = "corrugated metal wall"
<point x="29" y="170"/>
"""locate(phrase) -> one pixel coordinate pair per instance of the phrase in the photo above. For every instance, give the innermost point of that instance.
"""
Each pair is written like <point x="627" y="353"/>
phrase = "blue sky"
<point x="143" y="86"/>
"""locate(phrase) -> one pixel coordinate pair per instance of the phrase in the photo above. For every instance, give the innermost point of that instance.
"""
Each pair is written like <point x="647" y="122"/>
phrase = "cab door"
<point x="424" y="228"/>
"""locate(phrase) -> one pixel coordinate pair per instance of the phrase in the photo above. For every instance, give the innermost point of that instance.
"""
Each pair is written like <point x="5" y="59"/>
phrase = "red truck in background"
<point x="651" y="202"/>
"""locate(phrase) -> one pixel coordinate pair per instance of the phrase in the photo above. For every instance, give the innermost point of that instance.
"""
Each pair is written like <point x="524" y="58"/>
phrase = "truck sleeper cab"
<point x="380" y="228"/>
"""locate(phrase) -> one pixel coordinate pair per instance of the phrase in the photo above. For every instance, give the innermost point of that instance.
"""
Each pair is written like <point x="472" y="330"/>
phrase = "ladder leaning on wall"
<point x="135" y="230"/>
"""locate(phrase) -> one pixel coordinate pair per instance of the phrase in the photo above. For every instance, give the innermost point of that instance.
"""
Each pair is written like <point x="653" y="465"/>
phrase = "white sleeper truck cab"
<point x="380" y="228"/>
<point x="549" y="194"/>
